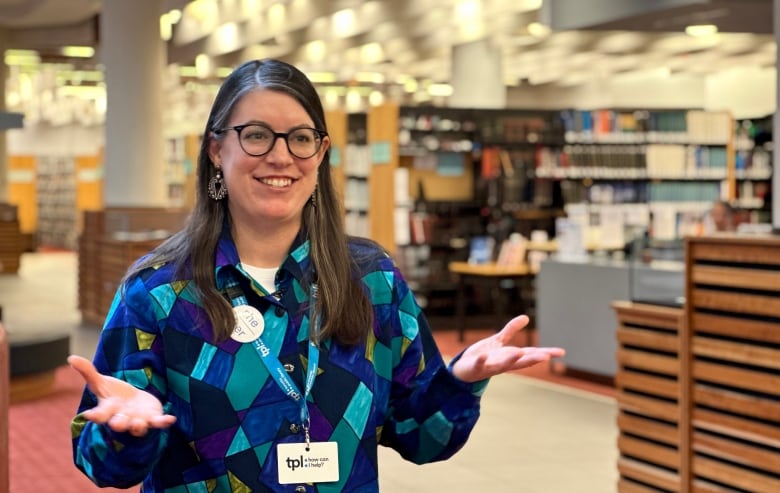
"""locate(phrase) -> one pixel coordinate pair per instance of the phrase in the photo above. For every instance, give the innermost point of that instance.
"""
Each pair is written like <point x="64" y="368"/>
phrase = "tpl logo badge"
<point x="317" y="462"/>
<point x="294" y="464"/>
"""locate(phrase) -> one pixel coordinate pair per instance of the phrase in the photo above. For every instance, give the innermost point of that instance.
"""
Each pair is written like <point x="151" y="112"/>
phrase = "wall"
<point x="72" y="140"/>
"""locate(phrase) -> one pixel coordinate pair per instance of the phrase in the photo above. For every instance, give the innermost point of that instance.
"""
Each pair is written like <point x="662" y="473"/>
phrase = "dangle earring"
<point x="217" y="187"/>
<point x="313" y="198"/>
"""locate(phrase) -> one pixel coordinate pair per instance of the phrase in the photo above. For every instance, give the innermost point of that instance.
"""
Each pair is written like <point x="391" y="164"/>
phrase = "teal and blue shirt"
<point x="394" y="389"/>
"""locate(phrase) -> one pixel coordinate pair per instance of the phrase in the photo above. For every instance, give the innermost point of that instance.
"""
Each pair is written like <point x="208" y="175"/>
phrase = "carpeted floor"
<point x="39" y="441"/>
<point x="40" y="449"/>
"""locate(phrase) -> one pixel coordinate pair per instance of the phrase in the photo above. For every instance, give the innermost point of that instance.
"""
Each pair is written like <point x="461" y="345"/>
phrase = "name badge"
<point x="249" y="323"/>
<point x="320" y="464"/>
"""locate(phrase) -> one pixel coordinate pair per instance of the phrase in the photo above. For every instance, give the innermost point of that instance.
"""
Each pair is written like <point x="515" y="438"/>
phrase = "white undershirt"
<point x="266" y="276"/>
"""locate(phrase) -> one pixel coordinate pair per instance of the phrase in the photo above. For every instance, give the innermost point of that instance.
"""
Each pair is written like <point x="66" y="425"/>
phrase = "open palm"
<point x="121" y="406"/>
<point x="495" y="354"/>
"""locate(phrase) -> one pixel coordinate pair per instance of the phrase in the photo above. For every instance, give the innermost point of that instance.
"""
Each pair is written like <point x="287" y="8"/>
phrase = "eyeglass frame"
<point x="277" y="135"/>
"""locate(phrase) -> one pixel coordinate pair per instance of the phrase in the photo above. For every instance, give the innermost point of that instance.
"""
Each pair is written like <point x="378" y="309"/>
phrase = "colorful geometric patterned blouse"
<point x="393" y="390"/>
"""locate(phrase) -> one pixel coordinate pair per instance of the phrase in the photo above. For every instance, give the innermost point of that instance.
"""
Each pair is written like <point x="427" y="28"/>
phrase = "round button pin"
<point x="249" y="323"/>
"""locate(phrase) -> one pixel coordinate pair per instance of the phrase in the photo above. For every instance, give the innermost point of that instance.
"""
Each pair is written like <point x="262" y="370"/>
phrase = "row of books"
<point x="684" y="192"/>
<point x="634" y="192"/>
<point x="605" y="125"/>
<point x="662" y="161"/>
<point x="605" y="193"/>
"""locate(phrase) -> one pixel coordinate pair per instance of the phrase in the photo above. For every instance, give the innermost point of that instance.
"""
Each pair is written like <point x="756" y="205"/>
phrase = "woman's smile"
<point x="277" y="182"/>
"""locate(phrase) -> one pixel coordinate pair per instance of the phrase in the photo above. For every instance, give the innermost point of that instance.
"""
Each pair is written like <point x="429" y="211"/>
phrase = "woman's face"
<point x="273" y="188"/>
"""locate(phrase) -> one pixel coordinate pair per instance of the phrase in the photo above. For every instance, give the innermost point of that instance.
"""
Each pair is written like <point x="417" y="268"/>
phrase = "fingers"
<point x="164" y="421"/>
<point x="513" y="327"/>
<point x="519" y="358"/>
<point x="88" y="372"/>
<point x="121" y="423"/>
<point x="135" y="425"/>
<point x="534" y="356"/>
<point x="555" y="352"/>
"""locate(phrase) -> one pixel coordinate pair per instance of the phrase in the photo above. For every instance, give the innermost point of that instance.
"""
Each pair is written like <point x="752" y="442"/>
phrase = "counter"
<point x="574" y="298"/>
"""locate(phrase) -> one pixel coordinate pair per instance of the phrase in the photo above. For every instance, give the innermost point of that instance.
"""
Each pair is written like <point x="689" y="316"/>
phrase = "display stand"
<point x="11" y="240"/>
<point x="698" y="393"/>
<point x="732" y="340"/>
<point x="112" y="240"/>
<point x="650" y="411"/>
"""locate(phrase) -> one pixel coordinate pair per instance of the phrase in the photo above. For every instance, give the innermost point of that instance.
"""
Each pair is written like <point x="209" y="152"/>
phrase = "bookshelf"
<point x="383" y="149"/>
<point x="181" y="157"/>
<point x="471" y="172"/>
<point x="666" y="165"/>
<point x="357" y="169"/>
<point x="350" y="167"/>
<point x="641" y="155"/>
<point x="753" y="166"/>
<point x="56" y="195"/>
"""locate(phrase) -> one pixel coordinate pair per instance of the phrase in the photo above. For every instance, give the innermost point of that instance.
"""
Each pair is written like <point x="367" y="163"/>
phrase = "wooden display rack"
<point x="650" y="398"/>
<point x="11" y="240"/>
<point x="699" y="387"/>
<point x="105" y="252"/>
<point x="733" y="336"/>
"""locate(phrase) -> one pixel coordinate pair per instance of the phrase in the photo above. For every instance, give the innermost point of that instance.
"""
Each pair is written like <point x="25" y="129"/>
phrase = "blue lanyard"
<point x="274" y="366"/>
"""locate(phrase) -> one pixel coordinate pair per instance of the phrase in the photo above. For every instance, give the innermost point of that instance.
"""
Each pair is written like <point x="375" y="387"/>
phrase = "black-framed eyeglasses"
<point x="257" y="139"/>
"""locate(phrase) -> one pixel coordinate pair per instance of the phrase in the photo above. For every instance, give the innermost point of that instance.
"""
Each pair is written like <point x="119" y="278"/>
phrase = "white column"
<point x="477" y="76"/>
<point x="133" y="55"/>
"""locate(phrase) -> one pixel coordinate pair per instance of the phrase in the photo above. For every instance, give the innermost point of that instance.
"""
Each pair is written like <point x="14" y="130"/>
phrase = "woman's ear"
<point x="215" y="145"/>
<point x="325" y="146"/>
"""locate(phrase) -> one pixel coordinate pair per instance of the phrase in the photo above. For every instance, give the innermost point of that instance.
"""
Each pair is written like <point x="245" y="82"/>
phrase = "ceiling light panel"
<point x="620" y="42"/>
<point x="226" y="38"/>
<point x="343" y="23"/>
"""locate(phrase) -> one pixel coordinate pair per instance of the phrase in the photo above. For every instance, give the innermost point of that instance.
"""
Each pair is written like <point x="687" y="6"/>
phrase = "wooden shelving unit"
<point x="382" y="131"/>
<point x="11" y="239"/>
<point x="732" y="333"/>
<point x="699" y="387"/>
<point x="111" y="241"/>
<point x="650" y="398"/>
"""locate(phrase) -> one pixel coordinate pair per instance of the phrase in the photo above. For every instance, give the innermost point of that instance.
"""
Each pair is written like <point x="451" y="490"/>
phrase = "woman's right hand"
<point x="121" y="406"/>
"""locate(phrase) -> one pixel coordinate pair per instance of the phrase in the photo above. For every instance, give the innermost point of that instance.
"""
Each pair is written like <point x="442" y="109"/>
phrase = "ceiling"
<point x="395" y="39"/>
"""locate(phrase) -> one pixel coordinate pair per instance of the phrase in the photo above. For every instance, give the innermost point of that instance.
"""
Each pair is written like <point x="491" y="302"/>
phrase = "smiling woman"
<point x="262" y="337"/>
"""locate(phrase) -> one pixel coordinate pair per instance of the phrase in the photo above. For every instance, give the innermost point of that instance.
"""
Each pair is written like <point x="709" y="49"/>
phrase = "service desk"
<point x="574" y="304"/>
<point x="491" y="273"/>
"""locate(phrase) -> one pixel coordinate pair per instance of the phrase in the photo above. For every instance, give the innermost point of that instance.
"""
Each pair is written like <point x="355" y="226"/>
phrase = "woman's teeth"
<point x="277" y="182"/>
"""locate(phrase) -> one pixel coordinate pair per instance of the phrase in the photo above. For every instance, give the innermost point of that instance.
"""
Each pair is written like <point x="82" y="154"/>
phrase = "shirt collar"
<point x="226" y="258"/>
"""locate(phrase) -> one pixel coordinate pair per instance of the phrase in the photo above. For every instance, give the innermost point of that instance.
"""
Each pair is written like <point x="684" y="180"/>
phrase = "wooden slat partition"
<point x="649" y="398"/>
<point x="105" y="252"/>
<point x="732" y="335"/>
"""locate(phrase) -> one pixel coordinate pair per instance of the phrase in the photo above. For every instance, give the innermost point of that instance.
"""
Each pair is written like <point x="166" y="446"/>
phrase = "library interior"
<point x="605" y="167"/>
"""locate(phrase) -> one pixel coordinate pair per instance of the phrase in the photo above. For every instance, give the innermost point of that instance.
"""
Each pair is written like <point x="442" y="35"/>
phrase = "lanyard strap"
<point x="274" y="366"/>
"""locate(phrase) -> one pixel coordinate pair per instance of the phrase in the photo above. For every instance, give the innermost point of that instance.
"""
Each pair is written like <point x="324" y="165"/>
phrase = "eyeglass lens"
<point x="259" y="139"/>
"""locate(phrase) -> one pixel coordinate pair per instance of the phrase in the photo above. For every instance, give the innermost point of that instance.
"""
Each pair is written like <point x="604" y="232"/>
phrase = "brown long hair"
<point x="342" y="305"/>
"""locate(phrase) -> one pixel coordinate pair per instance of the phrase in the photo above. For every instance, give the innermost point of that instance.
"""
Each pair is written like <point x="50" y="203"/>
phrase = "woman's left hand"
<point x="495" y="354"/>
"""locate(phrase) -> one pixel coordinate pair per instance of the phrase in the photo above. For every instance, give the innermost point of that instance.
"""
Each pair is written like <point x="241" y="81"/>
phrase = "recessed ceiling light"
<point x="538" y="29"/>
<point x="78" y="51"/>
<point x="698" y="30"/>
